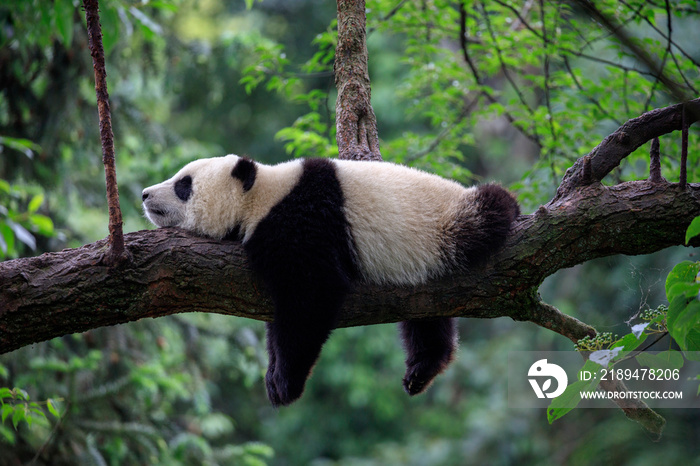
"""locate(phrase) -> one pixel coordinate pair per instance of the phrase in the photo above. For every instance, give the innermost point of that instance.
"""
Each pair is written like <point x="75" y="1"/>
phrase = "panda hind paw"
<point x="282" y="391"/>
<point x="419" y="377"/>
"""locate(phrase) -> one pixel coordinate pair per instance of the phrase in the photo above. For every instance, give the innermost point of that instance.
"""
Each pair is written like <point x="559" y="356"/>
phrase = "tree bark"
<point x="356" y="125"/>
<point x="116" y="251"/>
<point x="628" y="137"/>
<point x="172" y="271"/>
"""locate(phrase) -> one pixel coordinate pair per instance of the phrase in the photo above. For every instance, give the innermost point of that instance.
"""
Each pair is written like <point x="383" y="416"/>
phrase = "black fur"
<point x="245" y="170"/>
<point x="303" y="251"/>
<point x="234" y="234"/>
<point x="477" y="242"/>
<point x="183" y="188"/>
<point x="430" y="346"/>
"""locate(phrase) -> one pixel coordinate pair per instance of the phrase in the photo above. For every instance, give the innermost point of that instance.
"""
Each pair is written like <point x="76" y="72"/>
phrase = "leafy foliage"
<point x="680" y="320"/>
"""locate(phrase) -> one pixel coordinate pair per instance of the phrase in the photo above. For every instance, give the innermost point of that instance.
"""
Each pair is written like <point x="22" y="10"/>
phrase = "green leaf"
<point x="5" y="393"/>
<point x="18" y="416"/>
<point x="629" y="342"/>
<point x="566" y="401"/>
<point x="693" y="229"/>
<point x="687" y="290"/>
<point x="6" y="410"/>
<point x="692" y="343"/>
<point x="572" y="395"/>
<point x="36" y="409"/>
<point x="109" y="18"/>
<point x="52" y="408"/>
<point x="22" y="234"/>
<point x="7" y="435"/>
<point x="7" y="242"/>
<point x="20" y="394"/>
<point x="42" y="224"/>
<point x="259" y="449"/>
<point x="25" y="146"/>
<point x="35" y="203"/>
<point x="685" y="272"/>
<point x="683" y="317"/>
<point x="667" y="360"/>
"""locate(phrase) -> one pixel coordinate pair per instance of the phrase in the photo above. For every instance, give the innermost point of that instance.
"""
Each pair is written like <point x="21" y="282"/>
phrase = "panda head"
<point x="207" y="197"/>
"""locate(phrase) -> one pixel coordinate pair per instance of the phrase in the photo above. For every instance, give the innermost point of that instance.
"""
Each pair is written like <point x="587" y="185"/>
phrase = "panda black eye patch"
<point x="183" y="188"/>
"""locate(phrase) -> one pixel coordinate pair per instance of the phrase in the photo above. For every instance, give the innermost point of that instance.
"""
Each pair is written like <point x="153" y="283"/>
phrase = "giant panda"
<point x="312" y="228"/>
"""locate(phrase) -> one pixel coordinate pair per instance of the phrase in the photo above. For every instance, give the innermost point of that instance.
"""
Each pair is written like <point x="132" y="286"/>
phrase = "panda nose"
<point x="144" y="196"/>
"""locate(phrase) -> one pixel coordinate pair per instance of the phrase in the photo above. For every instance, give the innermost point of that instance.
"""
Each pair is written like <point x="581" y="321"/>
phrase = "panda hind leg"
<point x="270" y="384"/>
<point x="430" y="346"/>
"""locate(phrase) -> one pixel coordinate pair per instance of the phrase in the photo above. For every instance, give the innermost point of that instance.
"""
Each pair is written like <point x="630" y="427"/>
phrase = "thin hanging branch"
<point x="655" y="162"/>
<point x="116" y="237"/>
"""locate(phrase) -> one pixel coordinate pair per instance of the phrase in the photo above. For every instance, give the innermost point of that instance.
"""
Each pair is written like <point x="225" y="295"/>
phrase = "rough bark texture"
<point x="356" y="124"/>
<point x="628" y="137"/>
<point x="172" y="271"/>
<point x="116" y="238"/>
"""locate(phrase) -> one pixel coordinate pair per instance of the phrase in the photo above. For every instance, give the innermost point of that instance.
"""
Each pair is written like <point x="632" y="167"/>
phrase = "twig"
<point x="548" y="316"/>
<point x="655" y="162"/>
<point x="579" y="53"/>
<point x="477" y="78"/>
<point x="463" y="42"/>
<point x="116" y="237"/>
<point x="635" y="410"/>
<point x="504" y="67"/>
<point x="674" y="88"/>
<point x="547" y="98"/>
<point x="580" y="87"/>
<point x="667" y="6"/>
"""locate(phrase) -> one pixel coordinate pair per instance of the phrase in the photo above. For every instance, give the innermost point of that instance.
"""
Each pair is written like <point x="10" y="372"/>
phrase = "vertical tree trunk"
<point x="356" y="124"/>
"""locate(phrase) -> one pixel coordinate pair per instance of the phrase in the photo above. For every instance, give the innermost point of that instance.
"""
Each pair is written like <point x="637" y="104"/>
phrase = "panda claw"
<point x="414" y="383"/>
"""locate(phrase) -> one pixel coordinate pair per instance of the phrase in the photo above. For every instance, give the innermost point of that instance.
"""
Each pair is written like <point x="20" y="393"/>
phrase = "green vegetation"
<point x="532" y="87"/>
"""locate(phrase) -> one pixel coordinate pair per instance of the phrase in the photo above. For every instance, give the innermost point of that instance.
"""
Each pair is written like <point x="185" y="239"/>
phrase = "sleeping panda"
<point x="312" y="228"/>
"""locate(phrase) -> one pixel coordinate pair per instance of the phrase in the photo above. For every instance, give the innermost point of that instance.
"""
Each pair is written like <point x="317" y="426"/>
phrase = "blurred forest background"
<point x="512" y="91"/>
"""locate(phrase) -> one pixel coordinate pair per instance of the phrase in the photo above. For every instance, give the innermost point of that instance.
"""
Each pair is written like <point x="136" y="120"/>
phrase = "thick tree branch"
<point x="634" y="409"/>
<point x="171" y="271"/>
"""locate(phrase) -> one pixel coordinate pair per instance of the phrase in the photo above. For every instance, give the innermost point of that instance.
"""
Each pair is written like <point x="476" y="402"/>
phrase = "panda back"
<point x="402" y="220"/>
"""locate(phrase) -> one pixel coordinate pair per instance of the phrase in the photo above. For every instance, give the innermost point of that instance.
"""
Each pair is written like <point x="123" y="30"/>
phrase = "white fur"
<point x="218" y="202"/>
<point x="398" y="216"/>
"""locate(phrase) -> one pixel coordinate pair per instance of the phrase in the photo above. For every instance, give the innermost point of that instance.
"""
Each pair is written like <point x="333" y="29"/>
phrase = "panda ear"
<point x="245" y="171"/>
